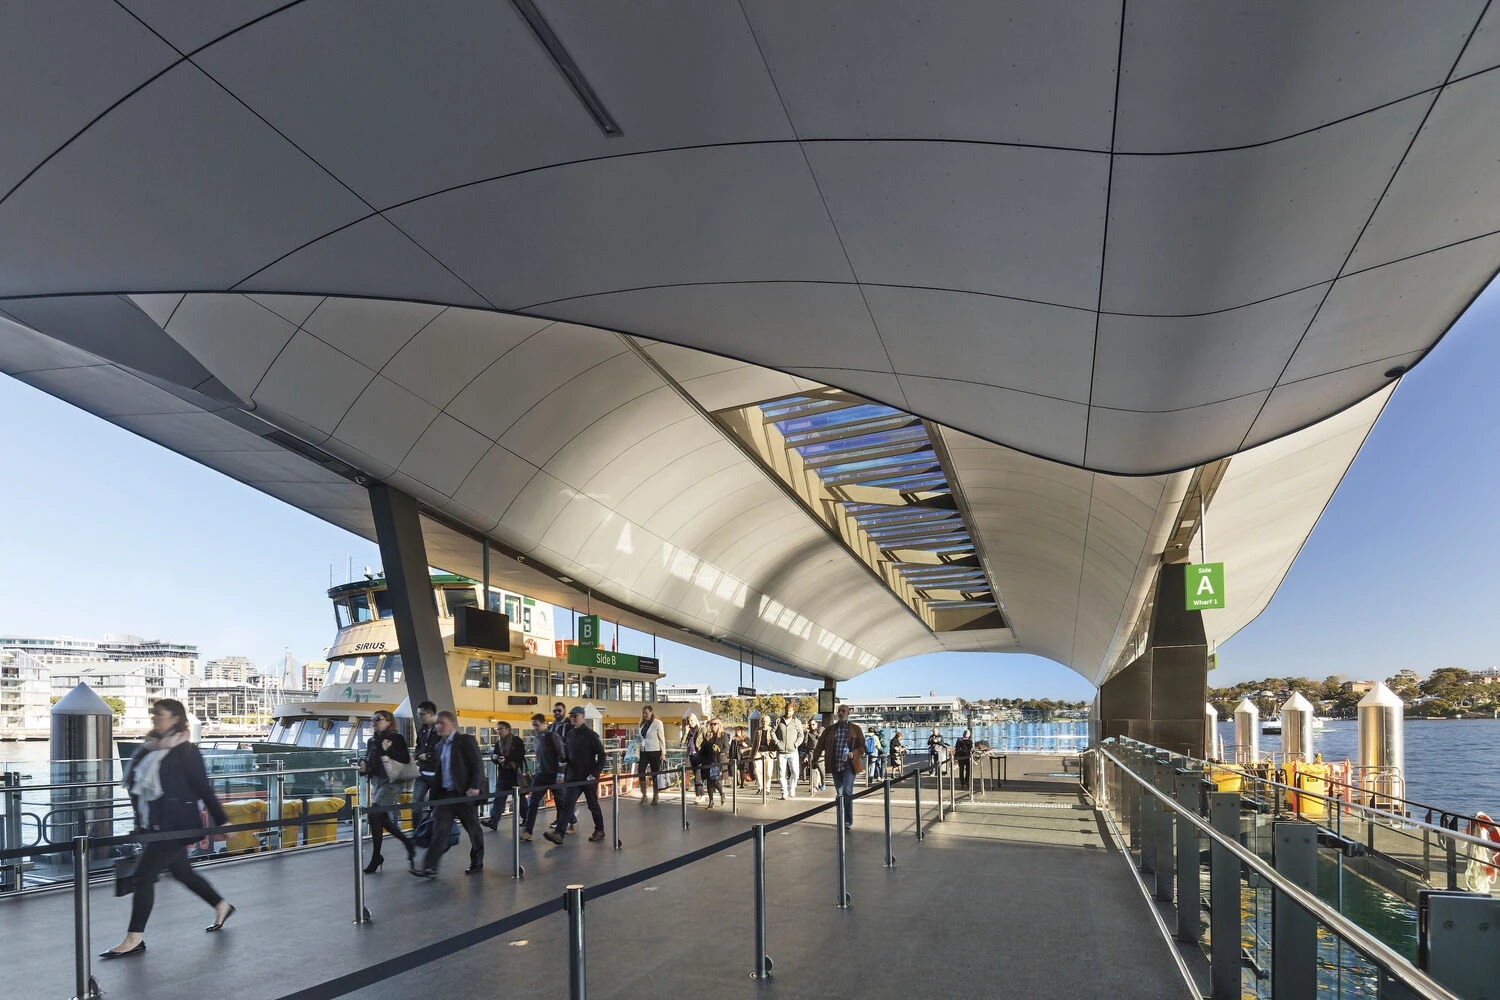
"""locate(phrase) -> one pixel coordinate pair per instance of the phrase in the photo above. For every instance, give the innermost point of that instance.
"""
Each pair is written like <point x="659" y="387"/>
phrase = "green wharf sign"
<point x="604" y="659"/>
<point x="1205" y="586"/>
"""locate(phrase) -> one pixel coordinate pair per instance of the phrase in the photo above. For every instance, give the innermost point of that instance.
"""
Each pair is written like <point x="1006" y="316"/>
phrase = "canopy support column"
<point x="398" y="529"/>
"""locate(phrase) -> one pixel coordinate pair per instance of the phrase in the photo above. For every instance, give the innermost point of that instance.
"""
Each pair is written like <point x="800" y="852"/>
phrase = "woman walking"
<point x="962" y="751"/>
<point x="167" y="780"/>
<point x="712" y="752"/>
<point x="387" y="741"/>
<point x="898" y="753"/>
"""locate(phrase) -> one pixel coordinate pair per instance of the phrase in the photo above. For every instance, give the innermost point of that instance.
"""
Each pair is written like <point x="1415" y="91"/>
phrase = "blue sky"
<point x="106" y="532"/>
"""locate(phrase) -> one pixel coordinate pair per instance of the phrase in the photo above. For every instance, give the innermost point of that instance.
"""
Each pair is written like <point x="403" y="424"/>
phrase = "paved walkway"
<point x="1000" y="900"/>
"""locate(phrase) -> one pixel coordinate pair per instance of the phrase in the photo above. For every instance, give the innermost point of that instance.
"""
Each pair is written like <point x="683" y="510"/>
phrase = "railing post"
<point x="516" y="871"/>
<point x="275" y="789"/>
<point x="357" y="815"/>
<point x="685" y="823"/>
<point x="838" y="825"/>
<point x="1452" y="847"/>
<point x="83" y="952"/>
<point x="1294" y="931"/>
<point x="916" y="786"/>
<point x="614" y="812"/>
<point x="890" y="857"/>
<point x="1148" y="817"/>
<point x="762" y="960"/>
<point x="734" y="786"/>
<point x="1188" y="923"/>
<point x="1166" y="859"/>
<point x="11" y="873"/>
<point x="577" y="965"/>
<point x="1224" y="898"/>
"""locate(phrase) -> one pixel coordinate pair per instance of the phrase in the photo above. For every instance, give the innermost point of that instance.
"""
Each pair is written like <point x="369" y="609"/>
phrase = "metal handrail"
<point x="1372" y="947"/>
<point x="212" y="777"/>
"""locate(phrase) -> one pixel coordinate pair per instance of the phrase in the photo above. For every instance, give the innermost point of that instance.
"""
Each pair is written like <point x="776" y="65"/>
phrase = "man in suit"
<point x="457" y="772"/>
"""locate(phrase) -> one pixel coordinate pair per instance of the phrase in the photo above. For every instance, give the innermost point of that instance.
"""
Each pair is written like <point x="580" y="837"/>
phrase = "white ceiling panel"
<point x="1174" y="362"/>
<point x="736" y="213"/>
<point x="189" y="24"/>
<point x="190" y="433"/>
<point x="493" y="484"/>
<point x="678" y="509"/>
<point x="446" y="354"/>
<point x="1039" y="425"/>
<point x="524" y="376"/>
<point x="751" y="384"/>
<point x="293" y="308"/>
<point x="685" y="363"/>
<point x="371" y="258"/>
<point x="876" y="385"/>
<point x="159" y="307"/>
<point x="533" y="510"/>
<point x="1297" y="404"/>
<point x="1013" y="221"/>
<point x="578" y="461"/>
<point x="385" y="421"/>
<point x="1208" y="231"/>
<point x="985" y="338"/>
<point x="74" y="60"/>
<point x="708" y="528"/>
<point x="577" y="404"/>
<point x="647" y="498"/>
<point x="1484" y="47"/>
<point x="22" y="349"/>
<point x="1392" y="310"/>
<point x="313" y="382"/>
<point x="231" y="336"/>
<point x="763" y="322"/>
<point x="369" y="330"/>
<point x="1448" y="188"/>
<point x="621" y="472"/>
<point x="111" y="391"/>
<point x="1198" y="433"/>
<point x="888" y="70"/>
<point x="1195" y="76"/>
<point x="143" y="199"/>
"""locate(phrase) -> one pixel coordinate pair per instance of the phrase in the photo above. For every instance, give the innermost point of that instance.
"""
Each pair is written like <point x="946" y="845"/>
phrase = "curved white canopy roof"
<point x="1083" y="249"/>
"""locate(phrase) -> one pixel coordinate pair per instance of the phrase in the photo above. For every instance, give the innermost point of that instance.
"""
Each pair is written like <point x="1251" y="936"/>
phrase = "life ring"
<point x="1485" y="828"/>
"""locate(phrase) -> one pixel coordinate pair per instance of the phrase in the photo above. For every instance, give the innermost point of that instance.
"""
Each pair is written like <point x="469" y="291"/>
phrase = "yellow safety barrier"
<point x="244" y="811"/>
<point x="1227" y="779"/>
<point x="291" y="810"/>
<point x="352" y="794"/>
<point x="1312" y="782"/>
<point x="323" y="831"/>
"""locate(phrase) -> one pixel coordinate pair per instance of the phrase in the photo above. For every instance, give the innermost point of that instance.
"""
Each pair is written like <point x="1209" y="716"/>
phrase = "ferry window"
<point x="614" y="689"/>
<point x="343" y="671"/>
<point x="574" y="686"/>
<point x="359" y="607"/>
<point x="513" y="610"/>
<point x="277" y="732"/>
<point x="502" y="676"/>
<point x="557" y="684"/>
<point x="650" y="690"/>
<point x="308" y="736"/>
<point x="394" y="671"/>
<point x="366" y="730"/>
<point x="588" y="685"/>
<point x="382" y="603"/>
<point x="341" y="612"/>
<point x="460" y="597"/>
<point x="333" y="735"/>
<point x="523" y="679"/>
<point x="495" y="601"/>
<point x="478" y="674"/>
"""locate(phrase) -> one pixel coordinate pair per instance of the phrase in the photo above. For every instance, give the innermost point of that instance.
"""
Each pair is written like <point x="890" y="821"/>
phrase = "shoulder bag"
<point x="397" y="771"/>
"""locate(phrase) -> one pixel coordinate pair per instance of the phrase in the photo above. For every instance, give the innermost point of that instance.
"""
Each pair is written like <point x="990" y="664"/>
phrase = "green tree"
<point x="116" y="706"/>
<point x="807" y="707"/>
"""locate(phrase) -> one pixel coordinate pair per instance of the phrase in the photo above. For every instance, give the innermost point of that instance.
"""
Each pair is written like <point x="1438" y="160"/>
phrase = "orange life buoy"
<point x="1486" y="829"/>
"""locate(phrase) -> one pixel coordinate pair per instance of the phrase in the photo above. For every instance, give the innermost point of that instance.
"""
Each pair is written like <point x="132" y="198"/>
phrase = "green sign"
<point x="604" y="659"/>
<point x="588" y="631"/>
<point x="1205" y="586"/>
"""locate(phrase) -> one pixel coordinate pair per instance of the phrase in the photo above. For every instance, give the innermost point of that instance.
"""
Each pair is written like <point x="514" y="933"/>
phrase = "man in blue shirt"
<point x="460" y="773"/>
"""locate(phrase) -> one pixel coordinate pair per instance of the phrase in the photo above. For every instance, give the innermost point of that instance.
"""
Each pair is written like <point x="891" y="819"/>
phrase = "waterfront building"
<point x="907" y="710"/>
<point x="127" y="667"/>
<point x="692" y="697"/>
<point x="25" y="693"/>
<point x="137" y="684"/>
<point x="233" y="669"/>
<point x="314" y="674"/>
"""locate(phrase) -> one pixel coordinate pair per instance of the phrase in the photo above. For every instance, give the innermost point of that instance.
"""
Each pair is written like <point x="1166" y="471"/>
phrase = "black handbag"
<point x="125" y="874"/>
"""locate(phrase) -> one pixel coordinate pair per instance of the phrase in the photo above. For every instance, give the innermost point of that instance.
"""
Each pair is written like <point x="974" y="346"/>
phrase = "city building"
<point x="35" y="669"/>
<point x="693" y="697"/>
<point x="906" y="710"/>
<point x="25" y="692"/>
<point x="137" y="684"/>
<point x="1358" y="687"/>
<point x="113" y="648"/>
<point x="314" y="674"/>
<point x="235" y="669"/>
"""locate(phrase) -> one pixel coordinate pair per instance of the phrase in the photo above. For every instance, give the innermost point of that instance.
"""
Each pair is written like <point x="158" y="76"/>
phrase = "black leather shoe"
<point x="374" y="865"/>
<point x="137" y="950"/>
<point x="218" y="925"/>
<point x="424" y="872"/>
<point x="478" y="866"/>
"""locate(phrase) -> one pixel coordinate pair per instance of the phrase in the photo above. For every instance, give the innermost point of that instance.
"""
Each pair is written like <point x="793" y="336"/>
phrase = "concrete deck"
<point x="1019" y="896"/>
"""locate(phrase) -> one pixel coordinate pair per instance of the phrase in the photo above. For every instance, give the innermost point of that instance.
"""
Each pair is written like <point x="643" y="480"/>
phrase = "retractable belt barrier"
<point x="371" y="975"/>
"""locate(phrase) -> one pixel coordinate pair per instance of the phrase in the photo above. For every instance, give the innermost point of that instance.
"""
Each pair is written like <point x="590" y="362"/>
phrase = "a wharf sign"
<point x="1205" y="586"/>
<point x="605" y="659"/>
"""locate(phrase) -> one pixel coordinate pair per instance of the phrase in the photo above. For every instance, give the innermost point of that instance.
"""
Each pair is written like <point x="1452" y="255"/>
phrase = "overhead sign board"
<point x="1205" y="586"/>
<point x="747" y="692"/>
<point x="605" y="659"/>
<point x="588" y="632"/>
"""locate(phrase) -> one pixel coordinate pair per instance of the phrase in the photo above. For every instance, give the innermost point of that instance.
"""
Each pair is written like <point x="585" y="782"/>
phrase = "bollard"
<point x="761" y="776"/>
<point x="614" y="812"/>
<point x="838" y="824"/>
<point x="762" y="960"/>
<point x="275" y="790"/>
<point x="916" y="785"/>
<point x="11" y="874"/>
<point x="86" y="987"/>
<point x="573" y="904"/>
<point x="357" y="816"/>
<point x="890" y="858"/>
<point x="685" y="823"/>
<point x="516" y="871"/>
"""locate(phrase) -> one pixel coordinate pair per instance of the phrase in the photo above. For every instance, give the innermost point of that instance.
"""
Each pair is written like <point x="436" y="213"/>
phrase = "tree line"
<point x="1447" y="692"/>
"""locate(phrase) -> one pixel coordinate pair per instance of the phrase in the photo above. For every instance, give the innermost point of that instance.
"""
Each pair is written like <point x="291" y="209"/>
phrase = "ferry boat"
<point x="365" y="673"/>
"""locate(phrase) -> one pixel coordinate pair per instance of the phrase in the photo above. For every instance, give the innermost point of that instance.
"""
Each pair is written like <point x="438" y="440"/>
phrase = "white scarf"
<point x="145" y="777"/>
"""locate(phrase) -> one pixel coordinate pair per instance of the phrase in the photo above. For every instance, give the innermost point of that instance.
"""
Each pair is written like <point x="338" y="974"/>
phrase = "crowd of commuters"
<point x="565" y="760"/>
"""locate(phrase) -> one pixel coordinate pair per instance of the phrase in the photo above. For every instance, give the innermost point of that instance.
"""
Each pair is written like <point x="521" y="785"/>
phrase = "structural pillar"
<point x="1158" y="697"/>
<point x="398" y="529"/>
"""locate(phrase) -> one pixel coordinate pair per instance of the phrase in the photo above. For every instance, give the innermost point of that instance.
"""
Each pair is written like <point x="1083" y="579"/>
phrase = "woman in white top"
<point x="653" y="736"/>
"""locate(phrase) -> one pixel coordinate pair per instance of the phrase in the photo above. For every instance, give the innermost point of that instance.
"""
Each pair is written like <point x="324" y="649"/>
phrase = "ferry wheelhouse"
<point x="365" y="672"/>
